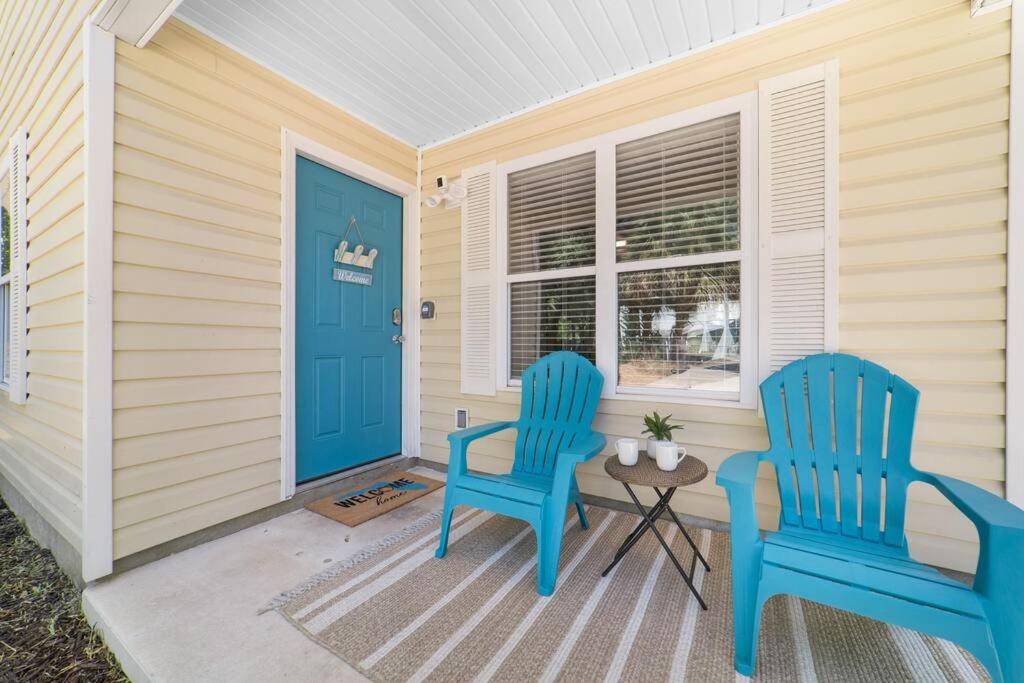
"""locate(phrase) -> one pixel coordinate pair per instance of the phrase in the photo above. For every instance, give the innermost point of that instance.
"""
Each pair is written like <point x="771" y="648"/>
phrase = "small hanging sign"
<point x="353" y="276"/>
<point x="356" y="257"/>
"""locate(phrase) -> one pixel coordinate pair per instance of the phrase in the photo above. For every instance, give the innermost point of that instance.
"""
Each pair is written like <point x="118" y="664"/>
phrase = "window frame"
<point x="606" y="268"/>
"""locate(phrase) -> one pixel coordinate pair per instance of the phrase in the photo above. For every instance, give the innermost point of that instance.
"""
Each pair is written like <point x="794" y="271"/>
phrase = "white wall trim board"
<point x="97" y="409"/>
<point x="1015" y="267"/>
<point x="411" y="419"/>
<point x="293" y="144"/>
<point x="981" y="7"/>
<point x="134" y="21"/>
<point x="158" y="23"/>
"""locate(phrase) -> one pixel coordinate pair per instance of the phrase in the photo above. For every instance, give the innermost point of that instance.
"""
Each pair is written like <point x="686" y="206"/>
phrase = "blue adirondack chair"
<point x="560" y="395"/>
<point x="815" y="409"/>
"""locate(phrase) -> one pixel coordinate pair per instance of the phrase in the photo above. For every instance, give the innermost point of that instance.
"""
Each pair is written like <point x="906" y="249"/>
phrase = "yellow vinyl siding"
<point x="923" y="141"/>
<point x="197" y="278"/>
<point x="41" y="89"/>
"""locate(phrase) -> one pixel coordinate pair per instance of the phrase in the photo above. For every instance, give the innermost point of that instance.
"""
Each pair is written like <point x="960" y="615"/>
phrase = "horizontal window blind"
<point x="677" y="193"/>
<point x="551" y="215"/>
<point x="548" y="316"/>
<point x="679" y="328"/>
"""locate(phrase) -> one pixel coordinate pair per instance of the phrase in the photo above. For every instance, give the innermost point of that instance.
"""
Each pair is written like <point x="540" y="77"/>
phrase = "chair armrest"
<point x="985" y="509"/>
<point x="739" y="471"/>
<point x="1000" y="527"/>
<point x="584" y="449"/>
<point x="737" y="476"/>
<point x="461" y="439"/>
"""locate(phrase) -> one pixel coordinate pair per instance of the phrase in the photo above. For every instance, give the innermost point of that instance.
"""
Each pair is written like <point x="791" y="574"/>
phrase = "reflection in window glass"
<point x="679" y="328"/>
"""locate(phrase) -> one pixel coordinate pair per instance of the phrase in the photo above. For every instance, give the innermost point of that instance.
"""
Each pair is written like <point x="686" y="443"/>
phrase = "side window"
<point x="5" y="289"/>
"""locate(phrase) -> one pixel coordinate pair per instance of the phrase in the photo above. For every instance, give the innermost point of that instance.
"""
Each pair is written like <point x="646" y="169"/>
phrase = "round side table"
<point x="646" y="473"/>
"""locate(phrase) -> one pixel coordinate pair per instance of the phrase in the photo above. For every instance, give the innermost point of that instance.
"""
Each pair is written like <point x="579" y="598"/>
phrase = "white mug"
<point x="669" y="455"/>
<point x="628" y="450"/>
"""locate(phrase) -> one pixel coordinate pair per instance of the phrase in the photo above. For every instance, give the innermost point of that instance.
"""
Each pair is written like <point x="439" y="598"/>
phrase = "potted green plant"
<point x="658" y="428"/>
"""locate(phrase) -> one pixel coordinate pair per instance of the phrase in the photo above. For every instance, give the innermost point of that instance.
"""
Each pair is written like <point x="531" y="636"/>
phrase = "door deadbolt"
<point x="396" y="316"/>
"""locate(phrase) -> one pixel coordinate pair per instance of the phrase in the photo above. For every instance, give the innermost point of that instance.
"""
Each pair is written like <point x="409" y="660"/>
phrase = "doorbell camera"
<point x="442" y="184"/>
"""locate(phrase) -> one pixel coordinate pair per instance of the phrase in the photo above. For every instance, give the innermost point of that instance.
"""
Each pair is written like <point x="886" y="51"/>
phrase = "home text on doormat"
<point x="352" y="508"/>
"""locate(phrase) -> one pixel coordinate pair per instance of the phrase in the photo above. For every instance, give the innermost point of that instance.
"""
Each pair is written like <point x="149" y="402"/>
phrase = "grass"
<point x="43" y="634"/>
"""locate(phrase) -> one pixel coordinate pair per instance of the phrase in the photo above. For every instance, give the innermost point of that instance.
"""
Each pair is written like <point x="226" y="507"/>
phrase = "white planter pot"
<point x="652" y="446"/>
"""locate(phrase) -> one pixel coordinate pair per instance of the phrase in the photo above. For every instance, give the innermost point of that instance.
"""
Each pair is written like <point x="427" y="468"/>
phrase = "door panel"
<point x="347" y="368"/>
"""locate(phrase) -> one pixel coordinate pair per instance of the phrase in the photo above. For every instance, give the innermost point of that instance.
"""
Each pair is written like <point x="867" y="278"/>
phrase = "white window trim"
<point x="606" y="269"/>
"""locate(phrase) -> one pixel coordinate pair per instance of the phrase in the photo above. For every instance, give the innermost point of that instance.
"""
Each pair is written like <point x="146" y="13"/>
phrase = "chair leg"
<point x="747" y="622"/>
<point x="584" y="522"/>
<point x="446" y="522"/>
<point x="1001" y="653"/>
<point x="549" y="550"/>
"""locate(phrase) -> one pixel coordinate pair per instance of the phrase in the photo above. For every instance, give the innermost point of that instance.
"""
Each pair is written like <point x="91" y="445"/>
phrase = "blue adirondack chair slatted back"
<point x="560" y="396"/>
<point x="832" y="418"/>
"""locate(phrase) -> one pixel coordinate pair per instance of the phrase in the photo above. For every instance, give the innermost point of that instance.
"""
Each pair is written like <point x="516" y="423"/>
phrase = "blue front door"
<point x="348" y="367"/>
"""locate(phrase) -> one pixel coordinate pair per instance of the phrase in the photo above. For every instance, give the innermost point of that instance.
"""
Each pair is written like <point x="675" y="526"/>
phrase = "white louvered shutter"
<point x="19" y="228"/>
<point x="798" y="226"/>
<point x="479" y="295"/>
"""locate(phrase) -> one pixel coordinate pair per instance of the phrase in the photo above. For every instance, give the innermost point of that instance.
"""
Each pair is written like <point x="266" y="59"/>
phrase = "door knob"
<point x="398" y="338"/>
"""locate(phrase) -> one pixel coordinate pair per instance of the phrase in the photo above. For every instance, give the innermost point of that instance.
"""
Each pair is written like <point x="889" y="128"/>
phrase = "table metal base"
<point x="646" y="523"/>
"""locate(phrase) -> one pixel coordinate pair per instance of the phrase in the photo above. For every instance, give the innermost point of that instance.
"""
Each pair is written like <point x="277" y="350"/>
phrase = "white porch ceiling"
<point x="428" y="70"/>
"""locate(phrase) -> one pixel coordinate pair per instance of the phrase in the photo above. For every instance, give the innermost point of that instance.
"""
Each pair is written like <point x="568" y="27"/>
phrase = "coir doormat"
<point x="352" y="508"/>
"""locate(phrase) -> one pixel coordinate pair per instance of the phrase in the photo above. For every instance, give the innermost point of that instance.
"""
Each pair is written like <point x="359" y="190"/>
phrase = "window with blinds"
<point x="551" y="216"/>
<point x="677" y="199"/>
<point x="677" y="193"/>
<point x="5" y="286"/>
<point x="635" y="255"/>
<point x="551" y="227"/>
<point x="548" y="316"/>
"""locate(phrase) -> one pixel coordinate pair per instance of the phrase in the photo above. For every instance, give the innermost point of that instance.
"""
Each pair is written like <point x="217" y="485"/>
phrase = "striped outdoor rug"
<point x="396" y="613"/>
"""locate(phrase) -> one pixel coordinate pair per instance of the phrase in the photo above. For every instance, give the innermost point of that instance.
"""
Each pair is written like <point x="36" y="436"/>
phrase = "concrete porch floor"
<point x="194" y="616"/>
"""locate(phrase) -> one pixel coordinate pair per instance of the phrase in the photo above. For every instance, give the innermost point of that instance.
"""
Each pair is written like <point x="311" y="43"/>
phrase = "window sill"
<point x="674" y="399"/>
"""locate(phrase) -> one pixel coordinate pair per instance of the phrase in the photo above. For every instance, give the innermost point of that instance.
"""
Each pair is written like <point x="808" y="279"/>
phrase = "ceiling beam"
<point x="134" y="21"/>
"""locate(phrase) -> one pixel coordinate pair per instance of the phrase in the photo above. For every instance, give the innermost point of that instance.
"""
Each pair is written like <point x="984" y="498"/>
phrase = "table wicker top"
<point x="646" y="473"/>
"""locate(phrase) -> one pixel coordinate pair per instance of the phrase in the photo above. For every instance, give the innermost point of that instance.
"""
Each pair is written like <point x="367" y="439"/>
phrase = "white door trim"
<point x="293" y="144"/>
